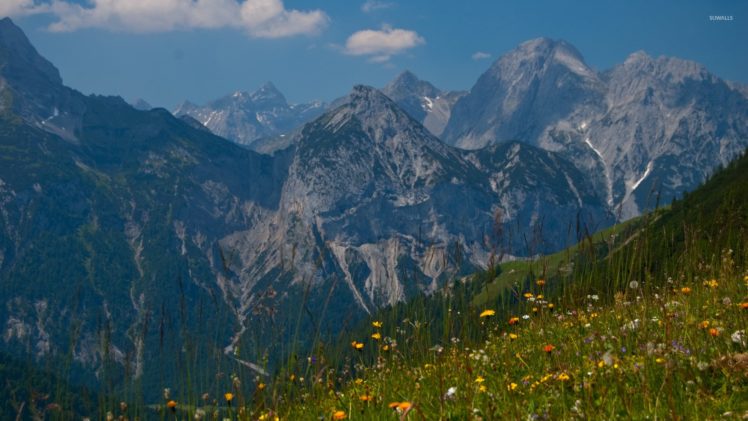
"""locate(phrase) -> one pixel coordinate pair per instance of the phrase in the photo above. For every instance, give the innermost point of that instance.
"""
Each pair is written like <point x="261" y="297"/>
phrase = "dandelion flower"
<point x="261" y="386"/>
<point x="366" y="398"/>
<point x="712" y="283"/>
<point x="488" y="313"/>
<point x="513" y="320"/>
<point x="482" y="388"/>
<point x="548" y="348"/>
<point x="376" y="324"/>
<point x="704" y="324"/>
<point x="338" y="415"/>
<point x="513" y="336"/>
<point x="714" y="332"/>
<point x="511" y="386"/>
<point x="529" y="295"/>
<point x="229" y="397"/>
<point x="385" y="348"/>
<point x="376" y="336"/>
<point x="563" y="377"/>
<point x="358" y="346"/>
<point x="404" y="406"/>
<point x="744" y="305"/>
<point x="540" y="282"/>
<point x="479" y="379"/>
<point x="685" y="290"/>
<point x="394" y="405"/>
<point x="172" y="405"/>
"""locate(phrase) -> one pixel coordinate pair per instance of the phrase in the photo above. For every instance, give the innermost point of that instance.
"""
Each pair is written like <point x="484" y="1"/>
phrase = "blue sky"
<point x="168" y="50"/>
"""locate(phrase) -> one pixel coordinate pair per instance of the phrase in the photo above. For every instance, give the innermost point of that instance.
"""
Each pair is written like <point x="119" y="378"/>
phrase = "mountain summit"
<point x="422" y="100"/>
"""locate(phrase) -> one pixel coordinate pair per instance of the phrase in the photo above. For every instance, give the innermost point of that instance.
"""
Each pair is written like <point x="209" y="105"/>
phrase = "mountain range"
<point x="157" y="240"/>
<point x="262" y="119"/>
<point x="648" y="128"/>
<point x="246" y="117"/>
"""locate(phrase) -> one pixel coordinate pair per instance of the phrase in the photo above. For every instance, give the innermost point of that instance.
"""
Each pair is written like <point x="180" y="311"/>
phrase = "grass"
<point x="666" y="352"/>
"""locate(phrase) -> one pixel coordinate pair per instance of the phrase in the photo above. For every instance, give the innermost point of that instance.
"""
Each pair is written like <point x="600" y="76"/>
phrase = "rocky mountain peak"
<point x="268" y="94"/>
<point x="537" y="55"/>
<point x="407" y="83"/>
<point x="372" y="108"/>
<point x="20" y="63"/>
<point x="665" y="69"/>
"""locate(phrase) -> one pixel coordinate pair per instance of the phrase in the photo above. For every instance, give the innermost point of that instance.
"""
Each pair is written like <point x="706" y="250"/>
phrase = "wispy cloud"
<point x="259" y="18"/>
<point x="382" y="44"/>
<point x="374" y="5"/>
<point x="21" y="7"/>
<point x="480" y="55"/>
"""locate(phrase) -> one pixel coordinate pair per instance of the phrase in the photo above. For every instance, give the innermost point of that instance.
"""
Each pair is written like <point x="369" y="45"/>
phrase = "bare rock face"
<point x="646" y="130"/>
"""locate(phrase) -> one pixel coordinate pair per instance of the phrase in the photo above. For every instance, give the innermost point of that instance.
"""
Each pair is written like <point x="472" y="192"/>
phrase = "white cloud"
<point x="374" y="5"/>
<point x="259" y="18"/>
<point x="382" y="44"/>
<point x="480" y="55"/>
<point x="20" y="7"/>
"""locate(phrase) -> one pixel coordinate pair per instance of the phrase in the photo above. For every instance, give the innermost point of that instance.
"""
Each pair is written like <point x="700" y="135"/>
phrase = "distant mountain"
<point x="645" y="128"/>
<point x="141" y="104"/>
<point x="246" y="117"/>
<point x="424" y="102"/>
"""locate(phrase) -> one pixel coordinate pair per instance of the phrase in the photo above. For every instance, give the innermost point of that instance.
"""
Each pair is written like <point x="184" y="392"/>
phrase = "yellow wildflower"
<point x="712" y="283"/>
<point x="488" y="313"/>
<point x="376" y="324"/>
<point x="376" y="336"/>
<point x="338" y="415"/>
<point x="511" y="386"/>
<point x="563" y="377"/>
